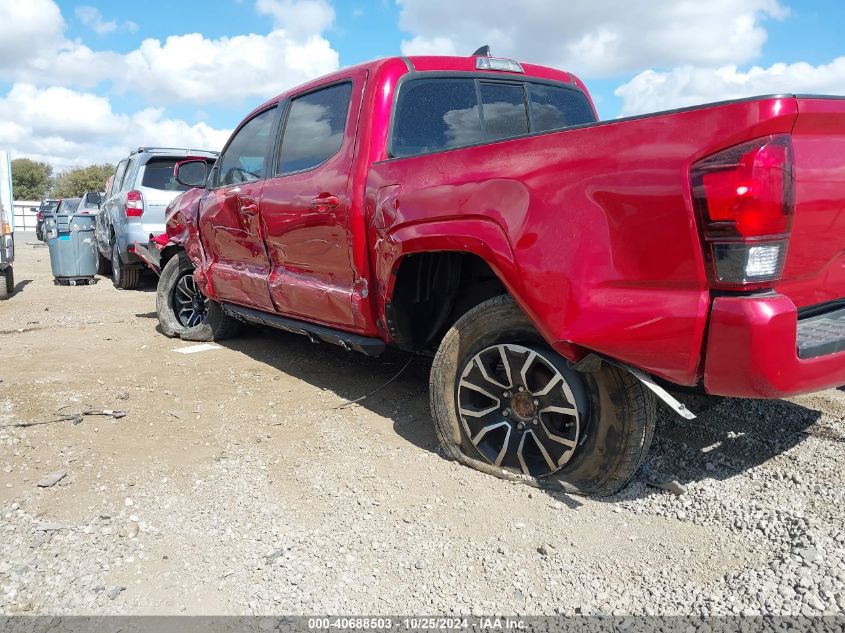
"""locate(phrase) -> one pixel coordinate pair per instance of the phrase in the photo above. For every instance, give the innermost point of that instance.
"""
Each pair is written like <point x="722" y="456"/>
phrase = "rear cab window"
<point x="440" y="113"/>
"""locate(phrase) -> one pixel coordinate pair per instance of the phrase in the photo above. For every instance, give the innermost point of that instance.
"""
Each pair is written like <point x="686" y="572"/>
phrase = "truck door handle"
<point x="325" y="202"/>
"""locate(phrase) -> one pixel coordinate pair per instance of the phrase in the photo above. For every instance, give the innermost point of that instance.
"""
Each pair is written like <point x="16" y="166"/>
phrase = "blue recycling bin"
<point x="73" y="248"/>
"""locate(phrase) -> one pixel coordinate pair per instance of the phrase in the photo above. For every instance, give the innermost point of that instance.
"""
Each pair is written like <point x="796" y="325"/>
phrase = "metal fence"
<point x="26" y="214"/>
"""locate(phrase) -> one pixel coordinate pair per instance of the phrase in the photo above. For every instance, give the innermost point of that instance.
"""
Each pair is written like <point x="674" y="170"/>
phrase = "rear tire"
<point x="123" y="276"/>
<point x="7" y="288"/>
<point x="176" y="319"/>
<point x="607" y="430"/>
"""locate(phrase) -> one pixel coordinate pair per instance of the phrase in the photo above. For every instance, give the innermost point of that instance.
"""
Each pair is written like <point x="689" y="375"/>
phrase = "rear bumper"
<point x="136" y="233"/>
<point x="752" y="351"/>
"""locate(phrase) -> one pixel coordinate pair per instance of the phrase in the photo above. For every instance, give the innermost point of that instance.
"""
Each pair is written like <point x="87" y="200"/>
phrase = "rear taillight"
<point x="744" y="200"/>
<point x="134" y="204"/>
<point x="40" y="216"/>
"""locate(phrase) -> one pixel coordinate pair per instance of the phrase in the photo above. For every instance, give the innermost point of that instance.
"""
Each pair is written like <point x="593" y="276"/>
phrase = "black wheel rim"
<point x="189" y="304"/>
<point x="518" y="410"/>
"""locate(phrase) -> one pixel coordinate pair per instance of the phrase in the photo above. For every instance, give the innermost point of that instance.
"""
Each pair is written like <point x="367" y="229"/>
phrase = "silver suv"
<point x="133" y="209"/>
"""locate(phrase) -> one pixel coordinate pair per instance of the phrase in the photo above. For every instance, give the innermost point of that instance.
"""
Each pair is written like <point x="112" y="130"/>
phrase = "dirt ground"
<point x="235" y="485"/>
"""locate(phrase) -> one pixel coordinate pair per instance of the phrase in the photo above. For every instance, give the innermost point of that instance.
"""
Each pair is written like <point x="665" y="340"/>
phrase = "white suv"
<point x="133" y="209"/>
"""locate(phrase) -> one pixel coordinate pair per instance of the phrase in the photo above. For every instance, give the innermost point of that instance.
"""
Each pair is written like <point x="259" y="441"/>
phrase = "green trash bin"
<point x="73" y="248"/>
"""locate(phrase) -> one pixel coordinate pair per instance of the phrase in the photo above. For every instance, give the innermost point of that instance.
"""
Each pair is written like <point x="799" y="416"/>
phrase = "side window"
<point x="129" y="176"/>
<point x="118" y="177"/>
<point x="435" y="114"/>
<point x="314" y="129"/>
<point x="243" y="160"/>
<point x="504" y="110"/>
<point x="553" y="108"/>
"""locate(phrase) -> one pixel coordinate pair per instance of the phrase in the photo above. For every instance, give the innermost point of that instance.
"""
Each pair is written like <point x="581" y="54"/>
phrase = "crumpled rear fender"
<point x="182" y="228"/>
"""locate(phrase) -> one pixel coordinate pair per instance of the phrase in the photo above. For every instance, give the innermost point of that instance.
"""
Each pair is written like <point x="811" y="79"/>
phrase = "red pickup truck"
<point x="554" y="265"/>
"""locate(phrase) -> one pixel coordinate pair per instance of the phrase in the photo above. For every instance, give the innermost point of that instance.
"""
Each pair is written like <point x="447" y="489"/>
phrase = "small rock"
<point x="49" y="527"/>
<point x="812" y="599"/>
<point x="419" y="564"/>
<point x="114" y="592"/>
<point x="127" y="502"/>
<point x="51" y="479"/>
<point x="808" y="554"/>
<point x="674" y="486"/>
<point x="130" y="530"/>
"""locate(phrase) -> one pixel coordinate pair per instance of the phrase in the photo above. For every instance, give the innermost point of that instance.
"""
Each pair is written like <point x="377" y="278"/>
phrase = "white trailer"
<point x="7" y="228"/>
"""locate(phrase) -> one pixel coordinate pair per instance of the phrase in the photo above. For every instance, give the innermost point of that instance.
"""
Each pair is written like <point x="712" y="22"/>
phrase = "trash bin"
<point x="73" y="249"/>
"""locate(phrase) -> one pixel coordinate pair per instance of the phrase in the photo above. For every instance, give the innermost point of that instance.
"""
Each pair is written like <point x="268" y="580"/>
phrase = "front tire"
<point x="7" y="288"/>
<point x="184" y="312"/>
<point x="123" y="276"/>
<point x="505" y="403"/>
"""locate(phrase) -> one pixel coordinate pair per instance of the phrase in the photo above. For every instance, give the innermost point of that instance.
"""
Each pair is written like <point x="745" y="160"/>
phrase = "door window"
<point x="118" y="177"/>
<point x="244" y="157"/>
<point x="314" y="129"/>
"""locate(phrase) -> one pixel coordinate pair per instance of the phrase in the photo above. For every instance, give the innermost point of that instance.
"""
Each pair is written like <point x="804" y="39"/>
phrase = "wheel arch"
<point x="458" y="263"/>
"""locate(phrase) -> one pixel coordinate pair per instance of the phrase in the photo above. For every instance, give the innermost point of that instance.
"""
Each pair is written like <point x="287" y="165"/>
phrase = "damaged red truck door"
<point x="305" y="206"/>
<point x="229" y="215"/>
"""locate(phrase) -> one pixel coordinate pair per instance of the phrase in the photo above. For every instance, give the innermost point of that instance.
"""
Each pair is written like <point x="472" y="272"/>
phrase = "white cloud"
<point x="27" y="29"/>
<point x="651" y="90"/>
<point x="600" y="37"/>
<point x="93" y="19"/>
<point x="187" y="68"/>
<point x="194" y="69"/>
<point x="69" y="128"/>
<point x="429" y="46"/>
<point x="296" y="17"/>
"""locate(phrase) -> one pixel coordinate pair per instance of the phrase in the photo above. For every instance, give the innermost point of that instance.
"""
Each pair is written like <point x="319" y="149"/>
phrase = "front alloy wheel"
<point x="518" y="409"/>
<point x="189" y="304"/>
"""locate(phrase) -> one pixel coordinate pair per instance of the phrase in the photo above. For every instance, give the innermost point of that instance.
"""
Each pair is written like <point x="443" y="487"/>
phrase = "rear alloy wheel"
<point x="183" y="311"/>
<point x="518" y="410"/>
<point x="507" y="404"/>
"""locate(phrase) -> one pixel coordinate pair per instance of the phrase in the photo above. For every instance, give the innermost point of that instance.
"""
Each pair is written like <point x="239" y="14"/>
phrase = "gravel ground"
<point x="234" y="485"/>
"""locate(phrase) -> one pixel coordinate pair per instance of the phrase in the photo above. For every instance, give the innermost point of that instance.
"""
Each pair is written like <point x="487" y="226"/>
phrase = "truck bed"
<point x="598" y="222"/>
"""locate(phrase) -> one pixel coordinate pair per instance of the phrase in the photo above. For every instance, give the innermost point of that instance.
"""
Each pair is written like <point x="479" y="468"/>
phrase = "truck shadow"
<point x="346" y="376"/>
<point x="729" y="437"/>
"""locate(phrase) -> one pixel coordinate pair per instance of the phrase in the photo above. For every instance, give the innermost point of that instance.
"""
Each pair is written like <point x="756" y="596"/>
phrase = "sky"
<point x="86" y="81"/>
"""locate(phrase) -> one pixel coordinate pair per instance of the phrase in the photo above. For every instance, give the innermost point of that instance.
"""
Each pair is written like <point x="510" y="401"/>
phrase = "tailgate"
<point x="155" y="205"/>
<point x="815" y="264"/>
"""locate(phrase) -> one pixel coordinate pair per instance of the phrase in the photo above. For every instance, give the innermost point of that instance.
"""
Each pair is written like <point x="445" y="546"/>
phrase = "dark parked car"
<point x="47" y="206"/>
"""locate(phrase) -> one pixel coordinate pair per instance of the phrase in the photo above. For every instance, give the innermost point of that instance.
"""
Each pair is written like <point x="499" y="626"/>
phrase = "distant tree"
<point x="31" y="179"/>
<point x="73" y="183"/>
